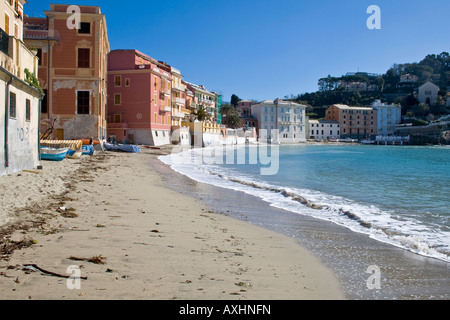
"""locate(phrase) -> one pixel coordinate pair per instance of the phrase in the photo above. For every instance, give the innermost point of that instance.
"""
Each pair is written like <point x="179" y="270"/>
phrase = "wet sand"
<point x="403" y="275"/>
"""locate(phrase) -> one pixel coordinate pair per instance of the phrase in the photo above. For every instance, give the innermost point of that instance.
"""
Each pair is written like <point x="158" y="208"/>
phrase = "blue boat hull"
<point x="50" y="154"/>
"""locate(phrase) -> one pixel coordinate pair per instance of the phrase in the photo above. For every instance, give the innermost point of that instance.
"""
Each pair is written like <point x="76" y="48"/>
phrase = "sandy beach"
<point x="112" y="217"/>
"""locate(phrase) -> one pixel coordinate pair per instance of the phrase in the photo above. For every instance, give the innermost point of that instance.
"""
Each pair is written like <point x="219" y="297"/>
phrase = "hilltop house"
<point x="19" y="115"/>
<point x="428" y="93"/>
<point x="72" y="70"/>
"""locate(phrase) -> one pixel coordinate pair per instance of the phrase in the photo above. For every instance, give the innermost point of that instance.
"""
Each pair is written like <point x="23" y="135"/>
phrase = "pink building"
<point x="139" y="103"/>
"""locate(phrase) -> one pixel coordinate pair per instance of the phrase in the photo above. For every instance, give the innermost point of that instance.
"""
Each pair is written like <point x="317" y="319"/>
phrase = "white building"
<point x="280" y="121"/>
<point x="19" y="101"/>
<point x="324" y="129"/>
<point x="389" y="116"/>
<point x="428" y="93"/>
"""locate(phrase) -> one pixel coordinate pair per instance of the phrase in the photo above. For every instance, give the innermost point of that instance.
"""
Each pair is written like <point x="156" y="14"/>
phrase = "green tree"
<point x="233" y="120"/>
<point x="226" y="109"/>
<point x="235" y="100"/>
<point x="201" y="114"/>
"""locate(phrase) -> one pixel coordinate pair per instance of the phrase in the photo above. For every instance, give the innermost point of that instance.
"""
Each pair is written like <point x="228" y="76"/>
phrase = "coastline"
<point x="350" y="255"/>
<point x="153" y="243"/>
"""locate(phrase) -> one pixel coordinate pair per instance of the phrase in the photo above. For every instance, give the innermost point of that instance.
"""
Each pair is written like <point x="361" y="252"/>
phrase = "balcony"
<point x="206" y="101"/>
<point x="166" y="109"/>
<point x="181" y="101"/>
<point x="176" y="114"/>
<point x="179" y="87"/>
<point x="15" y="57"/>
<point x="118" y="125"/>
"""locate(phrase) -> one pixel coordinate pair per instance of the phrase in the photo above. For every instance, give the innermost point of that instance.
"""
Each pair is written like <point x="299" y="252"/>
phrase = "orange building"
<point x="72" y="70"/>
<point x="355" y="122"/>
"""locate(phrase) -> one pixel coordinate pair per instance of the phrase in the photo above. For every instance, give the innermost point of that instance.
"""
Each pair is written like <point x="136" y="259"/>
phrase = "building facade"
<point x="203" y="98"/>
<point x="324" y="130"/>
<point x="19" y="113"/>
<point x="280" y="121"/>
<point x="180" y="114"/>
<point x="140" y="103"/>
<point x="355" y="122"/>
<point x="72" y="70"/>
<point x="245" y="111"/>
<point x="388" y="117"/>
<point x="428" y="93"/>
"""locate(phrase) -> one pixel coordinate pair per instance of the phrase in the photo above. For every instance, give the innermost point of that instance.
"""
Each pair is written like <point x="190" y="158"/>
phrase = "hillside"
<point x="398" y="85"/>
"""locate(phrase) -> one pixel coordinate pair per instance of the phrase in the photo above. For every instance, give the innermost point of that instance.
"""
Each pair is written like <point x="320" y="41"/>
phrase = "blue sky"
<point x="269" y="49"/>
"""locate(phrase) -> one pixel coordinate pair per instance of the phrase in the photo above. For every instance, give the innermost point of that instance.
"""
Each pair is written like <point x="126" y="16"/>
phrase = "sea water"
<point x="395" y="194"/>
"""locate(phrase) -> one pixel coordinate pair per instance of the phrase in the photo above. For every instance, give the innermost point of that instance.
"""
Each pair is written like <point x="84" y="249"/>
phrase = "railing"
<point x="176" y="114"/>
<point x="179" y="87"/>
<point x="166" y="108"/>
<point x="16" y="57"/>
<point x="122" y="125"/>
<point x="180" y="100"/>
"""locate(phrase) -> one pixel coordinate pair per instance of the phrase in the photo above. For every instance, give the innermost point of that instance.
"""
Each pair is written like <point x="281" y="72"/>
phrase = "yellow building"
<point x="20" y="93"/>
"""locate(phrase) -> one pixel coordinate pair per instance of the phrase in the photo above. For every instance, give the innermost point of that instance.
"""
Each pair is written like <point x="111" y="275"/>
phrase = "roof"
<point x="345" y="107"/>
<point x="280" y="102"/>
<point x="324" y="121"/>
<point x="429" y="82"/>
<point x="199" y="88"/>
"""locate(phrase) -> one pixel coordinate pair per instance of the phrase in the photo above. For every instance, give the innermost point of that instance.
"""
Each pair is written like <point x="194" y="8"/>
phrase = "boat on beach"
<point x="88" y="150"/>
<point x="121" y="147"/>
<point x="53" y="154"/>
<point x="74" y="154"/>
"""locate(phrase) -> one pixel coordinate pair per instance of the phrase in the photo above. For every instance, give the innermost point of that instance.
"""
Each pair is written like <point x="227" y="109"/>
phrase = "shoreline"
<point x="404" y="274"/>
<point x="149" y="240"/>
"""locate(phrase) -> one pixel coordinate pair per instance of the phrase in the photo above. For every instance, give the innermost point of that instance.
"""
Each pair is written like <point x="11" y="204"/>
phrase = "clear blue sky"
<point x="267" y="49"/>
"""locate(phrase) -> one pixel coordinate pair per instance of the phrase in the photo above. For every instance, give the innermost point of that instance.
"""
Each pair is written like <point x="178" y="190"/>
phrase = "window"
<point x="127" y="82"/>
<point x="12" y="105"/>
<point x="39" y="55"/>
<point x="84" y="58"/>
<point x="44" y="104"/>
<point x="117" y="99"/>
<point x="27" y="110"/>
<point x="85" y="28"/>
<point x="83" y="102"/>
<point x="118" y="81"/>
<point x="6" y="23"/>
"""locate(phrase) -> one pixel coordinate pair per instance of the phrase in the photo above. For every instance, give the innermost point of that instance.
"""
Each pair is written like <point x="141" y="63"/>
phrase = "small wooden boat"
<point x="88" y="150"/>
<point x="53" y="154"/>
<point x="74" y="154"/>
<point x="121" y="147"/>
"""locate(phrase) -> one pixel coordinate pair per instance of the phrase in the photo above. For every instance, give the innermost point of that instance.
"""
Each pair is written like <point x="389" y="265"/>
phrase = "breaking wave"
<point x="385" y="226"/>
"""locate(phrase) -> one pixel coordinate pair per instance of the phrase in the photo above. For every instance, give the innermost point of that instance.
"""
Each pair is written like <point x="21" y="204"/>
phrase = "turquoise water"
<point x="395" y="194"/>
